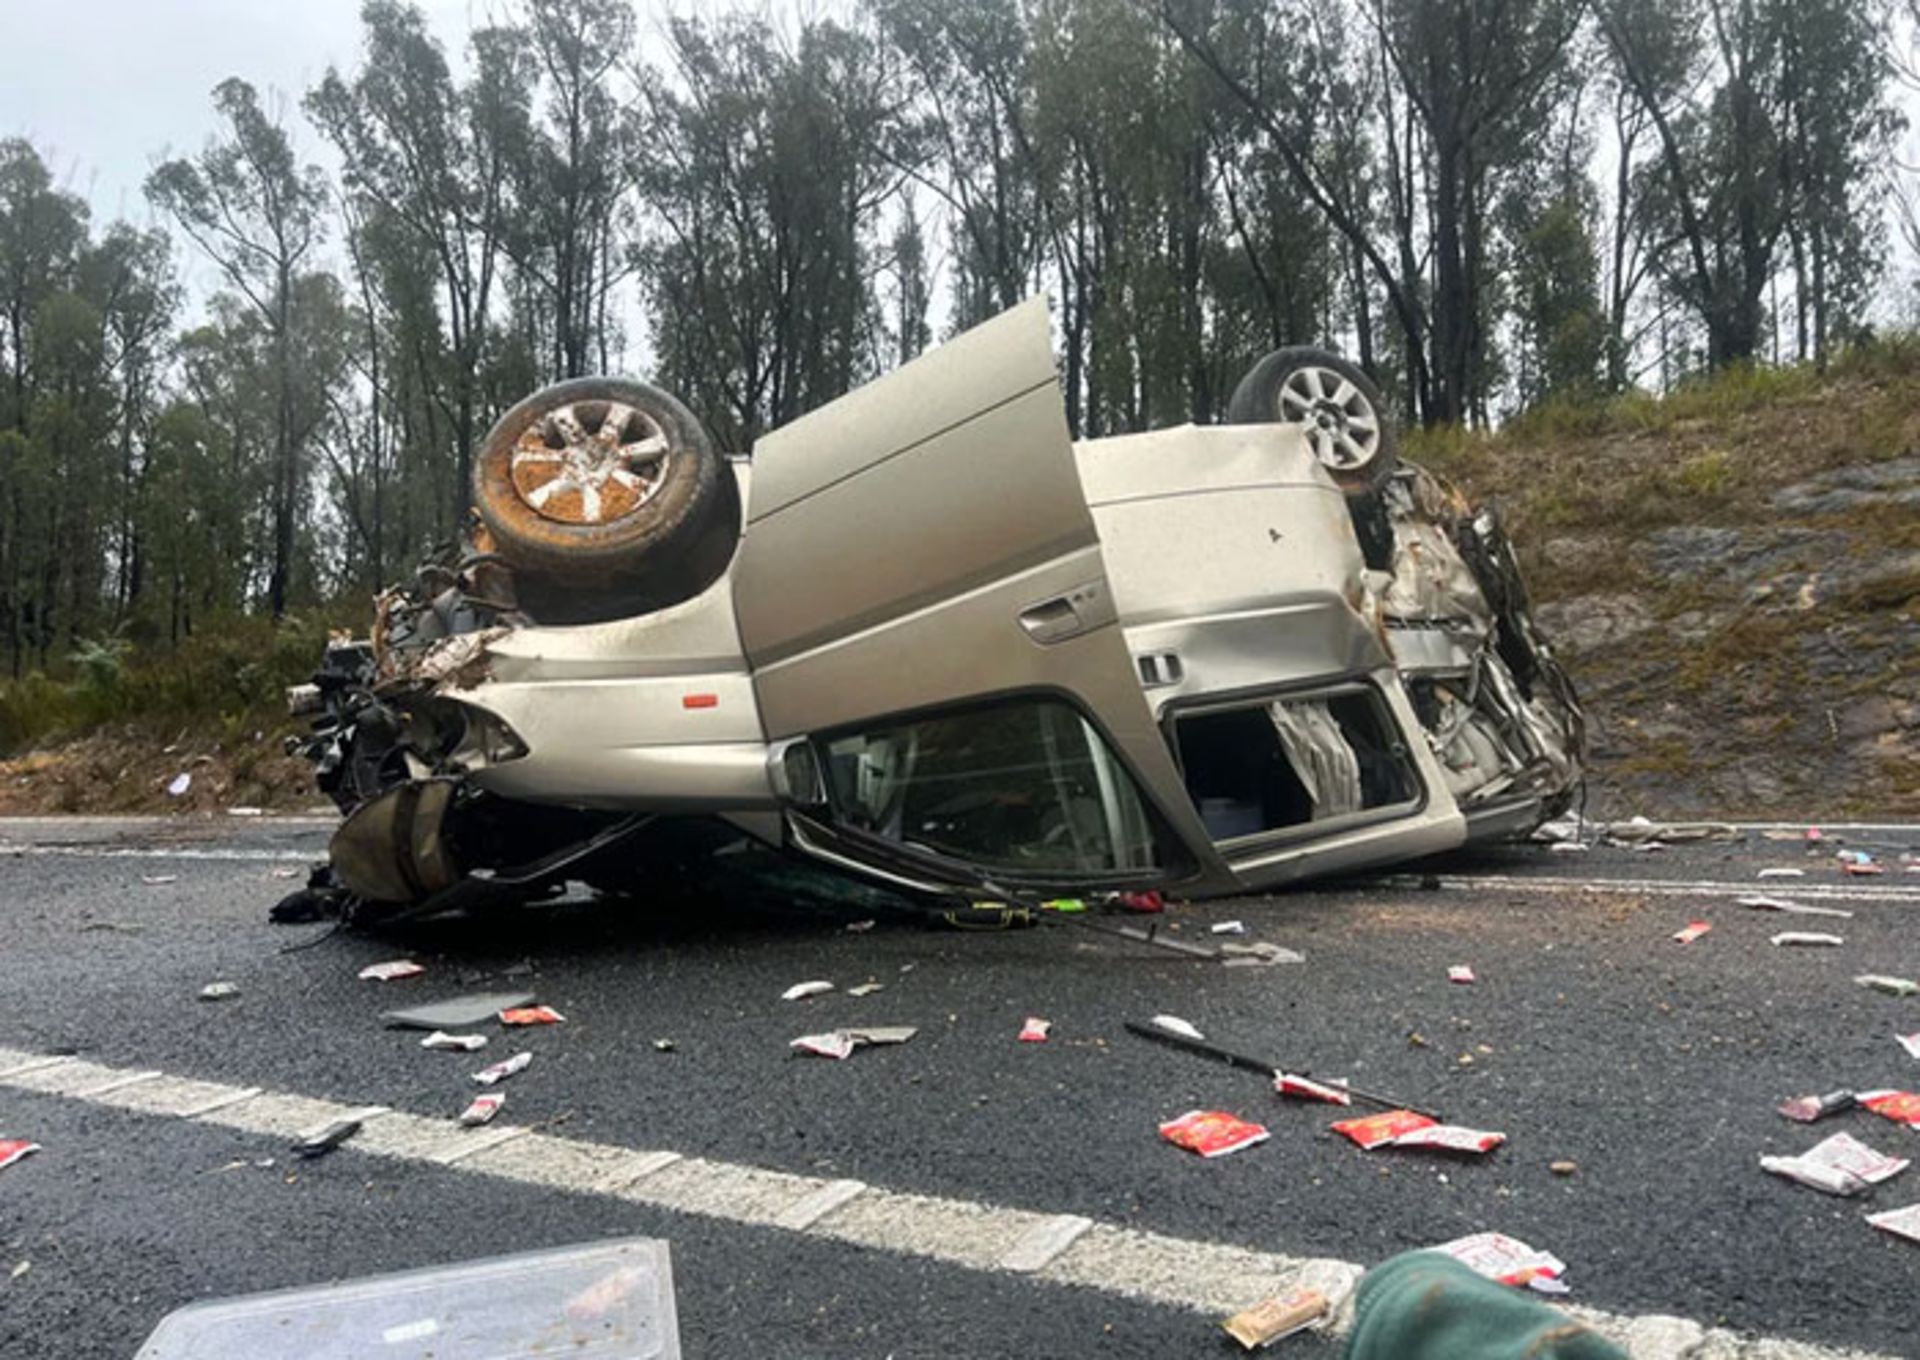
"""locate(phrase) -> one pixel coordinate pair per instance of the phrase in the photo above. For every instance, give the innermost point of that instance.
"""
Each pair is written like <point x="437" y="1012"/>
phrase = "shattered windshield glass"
<point x="1021" y="785"/>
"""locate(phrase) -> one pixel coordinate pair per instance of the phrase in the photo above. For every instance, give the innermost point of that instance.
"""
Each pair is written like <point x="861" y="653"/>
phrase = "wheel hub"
<point x="590" y="462"/>
<point x="1339" y="422"/>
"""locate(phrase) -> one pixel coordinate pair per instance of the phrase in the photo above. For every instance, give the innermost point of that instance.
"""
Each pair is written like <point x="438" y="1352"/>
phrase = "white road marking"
<point x="223" y="853"/>
<point x="1214" y="1278"/>
<point x="1896" y="893"/>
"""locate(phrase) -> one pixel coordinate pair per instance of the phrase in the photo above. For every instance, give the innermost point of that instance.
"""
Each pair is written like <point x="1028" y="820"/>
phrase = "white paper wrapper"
<point x="1508" y="1260"/>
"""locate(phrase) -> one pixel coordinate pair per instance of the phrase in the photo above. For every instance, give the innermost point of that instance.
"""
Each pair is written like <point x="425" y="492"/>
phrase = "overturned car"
<point x="922" y="635"/>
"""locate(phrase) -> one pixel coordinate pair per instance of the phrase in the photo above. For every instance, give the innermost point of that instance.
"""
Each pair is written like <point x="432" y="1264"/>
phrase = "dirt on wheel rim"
<point x="590" y="462"/>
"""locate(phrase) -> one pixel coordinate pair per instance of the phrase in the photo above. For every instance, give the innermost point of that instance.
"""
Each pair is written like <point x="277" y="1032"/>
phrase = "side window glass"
<point x="1026" y="785"/>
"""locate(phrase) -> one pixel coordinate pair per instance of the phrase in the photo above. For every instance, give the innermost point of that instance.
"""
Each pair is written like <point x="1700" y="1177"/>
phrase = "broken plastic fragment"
<point x="1910" y="1042"/>
<point x="1692" y="931"/>
<point x="457" y="1012"/>
<point x="1270" y="1320"/>
<point x="158" y="880"/>
<point x="483" y="1108"/>
<point x="1212" y="1133"/>
<point x="882" y="1034"/>
<point x="1761" y="902"/>
<point x="1228" y="928"/>
<point x="320" y="1143"/>
<point x="1035" y="1030"/>
<point x="13" y="1149"/>
<point x="834" y="1044"/>
<point x="393" y="968"/>
<point x="1373" y="1130"/>
<point x="531" y="1015"/>
<point x="1173" y="1024"/>
<point x="1778" y="872"/>
<point x="500" y="1071"/>
<point x="1806" y="937"/>
<point x="463" y="1043"/>
<point x="801" y="990"/>
<point x="1259" y="952"/>
<point x="1508" y="1260"/>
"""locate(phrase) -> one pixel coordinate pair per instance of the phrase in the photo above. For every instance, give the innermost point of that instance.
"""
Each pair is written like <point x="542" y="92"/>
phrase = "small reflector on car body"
<point x="699" y="701"/>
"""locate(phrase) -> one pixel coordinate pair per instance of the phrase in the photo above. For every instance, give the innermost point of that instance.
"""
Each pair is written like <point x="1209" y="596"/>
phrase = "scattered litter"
<point x="1563" y="1168"/>
<point x="801" y="990"/>
<point x="1332" y="1092"/>
<point x="1068" y="905"/>
<point x="1035" y="1030"/>
<point x="1376" y="1130"/>
<point x="287" y="872"/>
<point x="1460" y="973"/>
<point x="1212" y="1133"/>
<point x="1807" y="937"/>
<point x="860" y="927"/>
<point x="1173" y="1024"/>
<point x="1271" y="1320"/>
<point x="13" y="1149"/>
<point x="158" y="880"/>
<point x="531" y="1015"/>
<point x="388" y="971"/>
<point x="1228" y="928"/>
<point x="179" y="784"/>
<point x="1508" y="1260"/>
<point x="463" y="1043"/>
<point x="1842" y="1165"/>
<point x="1763" y="903"/>
<point x="1649" y="847"/>
<point x="1902" y="1107"/>
<point x="867" y="989"/>
<point x="1451" y="1138"/>
<point x="457" y="1012"/>
<point x="246" y="812"/>
<point x="1810" y="1109"/>
<point x="327" y="1139"/>
<point x="1910" y="1042"/>
<point x="1858" y="867"/>
<point x="1892" y="986"/>
<point x="1783" y="873"/>
<point x="1569" y="848"/>
<point x="500" y="1071"/>
<point x="484" y="1108"/>
<point x="19" y="1270"/>
<point x="1146" y="902"/>
<point x="840" y="1043"/>
<point x="1693" y="931"/>
<point x="219" y="991"/>
<point x="1259" y="953"/>
<point x="663" y="1045"/>
<point x="1900" y="1222"/>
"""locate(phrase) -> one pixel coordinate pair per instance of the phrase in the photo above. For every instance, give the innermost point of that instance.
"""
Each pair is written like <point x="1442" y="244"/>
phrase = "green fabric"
<point x="1426" y="1306"/>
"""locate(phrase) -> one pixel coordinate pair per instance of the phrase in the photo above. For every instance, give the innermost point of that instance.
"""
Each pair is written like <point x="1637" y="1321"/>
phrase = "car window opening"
<point x="1266" y="767"/>
<point x="1025" y="786"/>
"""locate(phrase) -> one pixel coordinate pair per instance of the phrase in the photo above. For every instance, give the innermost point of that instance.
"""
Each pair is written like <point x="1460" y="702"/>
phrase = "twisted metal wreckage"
<point x="922" y="635"/>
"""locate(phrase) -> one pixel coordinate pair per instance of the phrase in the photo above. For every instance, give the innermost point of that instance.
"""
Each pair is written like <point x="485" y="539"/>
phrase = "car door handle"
<point x="1070" y="614"/>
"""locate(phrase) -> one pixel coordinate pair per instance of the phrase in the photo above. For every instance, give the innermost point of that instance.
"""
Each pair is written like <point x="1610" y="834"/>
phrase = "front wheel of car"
<point x="1334" y="405"/>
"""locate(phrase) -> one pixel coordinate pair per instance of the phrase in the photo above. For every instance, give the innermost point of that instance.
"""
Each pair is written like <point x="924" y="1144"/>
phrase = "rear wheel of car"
<point x="1331" y="402"/>
<point x="599" y="480"/>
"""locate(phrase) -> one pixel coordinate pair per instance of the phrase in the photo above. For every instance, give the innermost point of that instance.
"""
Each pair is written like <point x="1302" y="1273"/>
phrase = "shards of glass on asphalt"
<point x="1274" y="1319"/>
<point x="391" y="970"/>
<point x="1840" y="1165"/>
<point x="13" y="1149"/>
<point x="506" y="1067"/>
<point x="802" y="990"/>
<point x="1508" y="1260"/>
<point x="841" y="1043"/>
<point x="1212" y="1133"/>
<point x="1692" y="931"/>
<point x="483" y="1108"/>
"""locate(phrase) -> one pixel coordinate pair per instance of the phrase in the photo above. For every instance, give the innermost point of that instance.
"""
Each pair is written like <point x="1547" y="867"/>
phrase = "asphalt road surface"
<point x="963" y="1193"/>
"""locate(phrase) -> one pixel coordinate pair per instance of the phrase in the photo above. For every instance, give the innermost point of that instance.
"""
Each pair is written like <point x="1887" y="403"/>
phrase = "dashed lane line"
<point x="1064" y="1249"/>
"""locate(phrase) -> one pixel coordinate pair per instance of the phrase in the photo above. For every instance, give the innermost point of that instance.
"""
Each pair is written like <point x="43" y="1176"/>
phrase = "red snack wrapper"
<point x="1372" y="1130"/>
<point x="1460" y="973"/>
<point x="1035" y="1030"/>
<point x="1694" y="930"/>
<point x="503" y="1069"/>
<point x="1145" y="902"/>
<point x="531" y="1015"/>
<point x="1508" y="1260"/>
<point x="483" y="1108"/>
<point x="13" y="1149"/>
<point x="1332" y="1092"/>
<point x="1212" y="1133"/>
<point x="1903" y="1107"/>
<point x="1451" y="1138"/>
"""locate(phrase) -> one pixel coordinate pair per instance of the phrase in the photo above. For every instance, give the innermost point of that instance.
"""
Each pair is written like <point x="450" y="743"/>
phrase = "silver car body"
<point x="936" y="541"/>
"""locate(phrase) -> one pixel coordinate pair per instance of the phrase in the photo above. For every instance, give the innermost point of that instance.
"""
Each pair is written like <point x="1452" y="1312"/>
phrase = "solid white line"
<point x="18" y="848"/>
<point x="1208" y="1277"/>
<point x="1893" y="893"/>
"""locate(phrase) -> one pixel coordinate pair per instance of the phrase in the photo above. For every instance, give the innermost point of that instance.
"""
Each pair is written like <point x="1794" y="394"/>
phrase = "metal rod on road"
<point x="1241" y="1060"/>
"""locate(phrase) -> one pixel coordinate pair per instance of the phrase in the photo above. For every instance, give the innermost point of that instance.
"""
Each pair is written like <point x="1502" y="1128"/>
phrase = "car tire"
<point x="1332" y="402"/>
<point x="596" y="481"/>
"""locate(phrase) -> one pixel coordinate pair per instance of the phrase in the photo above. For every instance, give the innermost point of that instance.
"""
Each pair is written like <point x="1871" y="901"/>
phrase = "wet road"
<point x="961" y="1193"/>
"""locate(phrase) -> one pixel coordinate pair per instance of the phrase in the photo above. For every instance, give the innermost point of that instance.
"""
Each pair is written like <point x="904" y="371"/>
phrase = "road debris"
<point x="21" y="1269"/>
<point x="1173" y="1024"/>
<point x="1841" y="1165"/>
<point x="1370" y="1131"/>
<point x="1569" y="848"/>
<point x="1450" y="1138"/>
<point x="500" y="1071"/>
<point x="1900" y="1222"/>
<point x="1259" y="954"/>
<point x="1228" y="928"/>
<point x="1177" y="1033"/>
<point x="1761" y="902"/>
<point x="177" y="786"/>
<point x="483" y="1109"/>
<point x="1563" y="1168"/>
<point x="859" y="927"/>
<point x="531" y="1015"/>
<point x="1035" y="1030"/>
<point x="323" y="1141"/>
<point x="1460" y="973"/>
<point x="1212" y="1133"/>
<point x="219" y="991"/>
<point x="801" y="990"/>
<point x="1806" y="937"/>
<point x="867" y="989"/>
<point x="390" y="970"/>
<point x="1146" y="903"/>
<point x="1508" y="1260"/>
<point x="1811" y="1109"/>
<point x="462" y="1043"/>
<point x="13" y="1149"/>
<point x="1778" y="871"/>
<point x="159" y="880"/>
<point x="1910" y="1042"/>
<point x="1692" y="931"/>
<point x="458" y="1012"/>
<point x="1892" y="986"/>
<point x="1274" y="1319"/>
<point x="1305" y="1088"/>
<point x="841" y="1043"/>
<point x="663" y="1045"/>
<point x="1902" y="1107"/>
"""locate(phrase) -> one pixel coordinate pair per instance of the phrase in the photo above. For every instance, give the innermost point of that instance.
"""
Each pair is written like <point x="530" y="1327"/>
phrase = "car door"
<point x="922" y="544"/>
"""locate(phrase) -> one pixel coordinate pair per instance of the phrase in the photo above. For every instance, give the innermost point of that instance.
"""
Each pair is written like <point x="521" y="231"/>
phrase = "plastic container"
<point x="605" y="1301"/>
